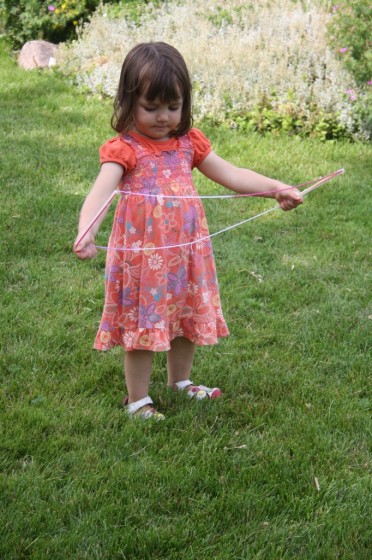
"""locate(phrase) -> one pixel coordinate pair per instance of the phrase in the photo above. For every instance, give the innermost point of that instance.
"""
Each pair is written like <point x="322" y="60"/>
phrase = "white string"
<point x="193" y="196"/>
<point x="196" y="241"/>
<point x="236" y="195"/>
<point x="202" y="239"/>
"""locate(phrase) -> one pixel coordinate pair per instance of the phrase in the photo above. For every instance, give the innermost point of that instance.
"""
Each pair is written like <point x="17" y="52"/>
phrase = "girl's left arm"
<point x="245" y="181"/>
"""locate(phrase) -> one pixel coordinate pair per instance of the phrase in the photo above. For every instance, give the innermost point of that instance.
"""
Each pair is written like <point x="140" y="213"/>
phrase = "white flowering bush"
<point x="257" y="65"/>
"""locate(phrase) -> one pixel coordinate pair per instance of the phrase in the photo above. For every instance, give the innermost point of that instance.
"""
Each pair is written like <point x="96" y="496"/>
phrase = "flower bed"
<point x="260" y="66"/>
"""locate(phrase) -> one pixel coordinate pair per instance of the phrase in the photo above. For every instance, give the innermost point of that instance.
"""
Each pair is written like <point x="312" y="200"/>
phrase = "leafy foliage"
<point x="244" y="73"/>
<point x="26" y="20"/>
<point x="271" y="116"/>
<point x="350" y="34"/>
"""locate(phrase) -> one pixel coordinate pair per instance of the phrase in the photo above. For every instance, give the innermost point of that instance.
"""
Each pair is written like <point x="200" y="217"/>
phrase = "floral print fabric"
<point x="162" y="292"/>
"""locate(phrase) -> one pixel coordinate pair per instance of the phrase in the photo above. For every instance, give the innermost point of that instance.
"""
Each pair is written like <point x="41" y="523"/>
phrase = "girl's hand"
<point x="86" y="248"/>
<point x="288" y="198"/>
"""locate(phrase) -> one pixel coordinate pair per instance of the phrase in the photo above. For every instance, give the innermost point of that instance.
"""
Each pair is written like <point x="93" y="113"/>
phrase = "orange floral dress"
<point x="160" y="282"/>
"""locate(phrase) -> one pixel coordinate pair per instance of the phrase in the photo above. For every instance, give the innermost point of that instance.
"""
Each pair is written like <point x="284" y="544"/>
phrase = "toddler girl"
<point x="161" y="285"/>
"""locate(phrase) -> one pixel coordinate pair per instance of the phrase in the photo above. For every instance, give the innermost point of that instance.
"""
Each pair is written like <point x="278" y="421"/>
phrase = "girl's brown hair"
<point x="155" y="70"/>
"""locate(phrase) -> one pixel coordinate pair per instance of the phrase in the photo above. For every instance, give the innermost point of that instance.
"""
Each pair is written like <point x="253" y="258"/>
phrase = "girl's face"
<point x="157" y="120"/>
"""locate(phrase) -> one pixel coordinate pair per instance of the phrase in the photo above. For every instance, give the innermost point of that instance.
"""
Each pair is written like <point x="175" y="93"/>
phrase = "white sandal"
<point x="198" y="392"/>
<point x="134" y="409"/>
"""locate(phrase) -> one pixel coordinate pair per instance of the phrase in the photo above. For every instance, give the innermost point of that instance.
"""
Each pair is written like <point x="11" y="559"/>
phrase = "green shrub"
<point x="350" y="35"/>
<point x="271" y="115"/>
<point x="243" y="73"/>
<point x="55" y="21"/>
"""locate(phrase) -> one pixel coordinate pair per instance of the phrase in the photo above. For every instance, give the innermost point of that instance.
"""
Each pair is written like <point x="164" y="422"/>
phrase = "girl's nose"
<point x="162" y="116"/>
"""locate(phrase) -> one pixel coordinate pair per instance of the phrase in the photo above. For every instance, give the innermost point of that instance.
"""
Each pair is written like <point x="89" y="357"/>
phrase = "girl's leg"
<point x="180" y="359"/>
<point x="137" y="371"/>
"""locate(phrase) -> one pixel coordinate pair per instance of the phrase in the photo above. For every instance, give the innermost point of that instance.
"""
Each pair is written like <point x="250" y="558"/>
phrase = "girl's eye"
<point x="152" y="108"/>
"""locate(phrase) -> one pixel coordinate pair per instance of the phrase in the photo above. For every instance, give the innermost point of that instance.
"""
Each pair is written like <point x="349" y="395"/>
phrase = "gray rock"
<point x="37" y="54"/>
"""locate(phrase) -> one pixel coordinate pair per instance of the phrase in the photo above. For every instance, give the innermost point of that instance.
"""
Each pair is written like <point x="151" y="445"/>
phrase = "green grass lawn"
<point x="279" y="468"/>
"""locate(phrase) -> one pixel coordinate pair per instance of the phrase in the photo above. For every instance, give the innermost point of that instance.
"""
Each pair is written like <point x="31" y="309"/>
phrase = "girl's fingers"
<point x="87" y="252"/>
<point x="291" y="202"/>
<point x="85" y="249"/>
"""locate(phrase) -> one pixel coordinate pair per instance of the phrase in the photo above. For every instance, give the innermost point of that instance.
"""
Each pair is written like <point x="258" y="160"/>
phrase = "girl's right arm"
<point x="107" y="181"/>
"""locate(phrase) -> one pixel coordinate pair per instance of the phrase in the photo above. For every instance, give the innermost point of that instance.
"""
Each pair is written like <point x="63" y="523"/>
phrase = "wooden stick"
<point x="99" y="213"/>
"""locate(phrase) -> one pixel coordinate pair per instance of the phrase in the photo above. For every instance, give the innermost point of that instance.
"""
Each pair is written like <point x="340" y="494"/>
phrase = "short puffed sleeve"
<point x="202" y="146"/>
<point x="118" y="151"/>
